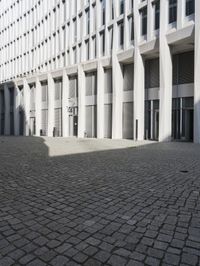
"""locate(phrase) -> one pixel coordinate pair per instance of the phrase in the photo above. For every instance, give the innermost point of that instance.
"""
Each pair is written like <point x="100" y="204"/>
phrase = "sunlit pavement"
<point x="98" y="202"/>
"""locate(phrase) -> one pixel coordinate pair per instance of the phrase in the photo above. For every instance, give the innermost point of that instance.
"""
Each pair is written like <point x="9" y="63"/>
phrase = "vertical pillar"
<point x="100" y="101"/>
<point x="165" y="118"/>
<point x="50" y="105"/>
<point x="117" y="80"/>
<point x="65" y="116"/>
<point x="138" y="81"/>
<point x="150" y="17"/>
<point x="7" y="110"/>
<point x="117" y="77"/>
<point x="16" y="110"/>
<point x="197" y="76"/>
<point x="81" y="102"/>
<point x="180" y="15"/>
<point x="26" y="108"/>
<point x="38" y="106"/>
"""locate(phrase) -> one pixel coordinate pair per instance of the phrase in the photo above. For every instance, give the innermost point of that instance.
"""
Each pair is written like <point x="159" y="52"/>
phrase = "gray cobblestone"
<point x="130" y="206"/>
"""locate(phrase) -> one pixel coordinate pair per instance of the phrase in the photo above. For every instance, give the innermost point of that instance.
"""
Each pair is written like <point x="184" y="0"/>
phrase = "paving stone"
<point x="90" y="251"/>
<point x="117" y="261"/>
<point x="93" y="241"/>
<point x="92" y="262"/>
<point x="152" y="261"/>
<point x="6" y="261"/>
<point x="53" y="244"/>
<point x="156" y="253"/>
<point x="41" y="241"/>
<point x="102" y="256"/>
<point x="36" y="262"/>
<point x="189" y="259"/>
<point x="3" y="243"/>
<point x="135" y="263"/>
<point x="26" y="259"/>
<point x="59" y="261"/>
<point x="80" y="257"/>
<point x="16" y="254"/>
<point x="48" y="256"/>
<point x="171" y="259"/>
<point x="62" y="248"/>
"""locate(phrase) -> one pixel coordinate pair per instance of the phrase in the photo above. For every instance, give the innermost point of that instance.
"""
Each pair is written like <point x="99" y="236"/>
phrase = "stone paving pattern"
<point x="133" y="206"/>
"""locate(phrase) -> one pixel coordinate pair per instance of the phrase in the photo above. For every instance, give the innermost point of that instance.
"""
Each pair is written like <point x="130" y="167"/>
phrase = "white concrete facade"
<point x="43" y="41"/>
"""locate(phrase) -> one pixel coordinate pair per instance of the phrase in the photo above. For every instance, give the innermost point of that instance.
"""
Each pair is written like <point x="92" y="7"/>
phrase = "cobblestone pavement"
<point x="131" y="206"/>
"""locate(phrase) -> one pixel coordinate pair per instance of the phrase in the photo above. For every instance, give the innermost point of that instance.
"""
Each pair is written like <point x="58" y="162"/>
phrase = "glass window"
<point x="190" y="6"/>
<point x="111" y="10"/>
<point x="87" y="50"/>
<point x="131" y="29"/>
<point x="157" y="15"/>
<point x="121" y="34"/>
<point x="111" y="38"/>
<point x="121" y="7"/>
<point x="94" y="47"/>
<point x="102" y="12"/>
<point x="143" y="14"/>
<point x="172" y="11"/>
<point x="87" y="21"/>
<point x="102" y="38"/>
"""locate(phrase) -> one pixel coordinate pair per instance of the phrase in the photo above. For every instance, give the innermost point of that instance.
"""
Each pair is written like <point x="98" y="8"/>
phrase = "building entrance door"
<point x="156" y="124"/>
<point x="21" y="122"/>
<point x="182" y="119"/>
<point x="152" y="119"/>
<point x="73" y="122"/>
<point x="187" y="124"/>
<point x="32" y="126"/>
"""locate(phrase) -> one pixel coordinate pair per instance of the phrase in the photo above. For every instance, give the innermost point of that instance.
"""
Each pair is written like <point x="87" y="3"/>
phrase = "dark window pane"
<point x="172" y="11"/>
<point x="190" y="6"/>
<point x="143" y="13"/>
<point x="157" y="15"/>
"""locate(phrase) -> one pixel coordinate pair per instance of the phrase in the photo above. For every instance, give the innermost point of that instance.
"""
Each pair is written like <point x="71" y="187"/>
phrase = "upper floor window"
<point x="102" y="12"/>
<point x="102" y="43"/>
<point x="172" y="11"/>
<point x="121" y="34"/>
<point x="143" y="13"/>
<point x="157" y="15"/>
<point x="88" y="21"/>
<point x="190" y="6"/>
<point x="131" y="29"/>
<point x="121" y="7"/>
<point x="111" y="10"/>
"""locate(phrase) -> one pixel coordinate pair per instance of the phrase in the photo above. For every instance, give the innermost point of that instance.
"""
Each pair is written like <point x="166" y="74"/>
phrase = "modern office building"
<point x="100" y="68"/>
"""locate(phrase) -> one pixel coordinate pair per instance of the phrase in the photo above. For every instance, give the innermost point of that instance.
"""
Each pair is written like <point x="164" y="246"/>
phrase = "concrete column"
<point x="138" y="81"/>
<point x="50" y="105"/>
<point x="81" y="102"/>
<point x="65" y="115"/>
<point x="38" y="106"/>
<point x="197" y="76"/>
<point x="117" y="77"/>
<point x="138" y="96"/>
<point x="180" y="15"/>
<point x="117" y="80"/>
<point x="16" y="110"/>
<point x="150" y="20"/>
<point x="7" y="110"/>
<point x="100" y="101"/>
<point x="165" y="120"/>
<point x="26" y="108"/>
